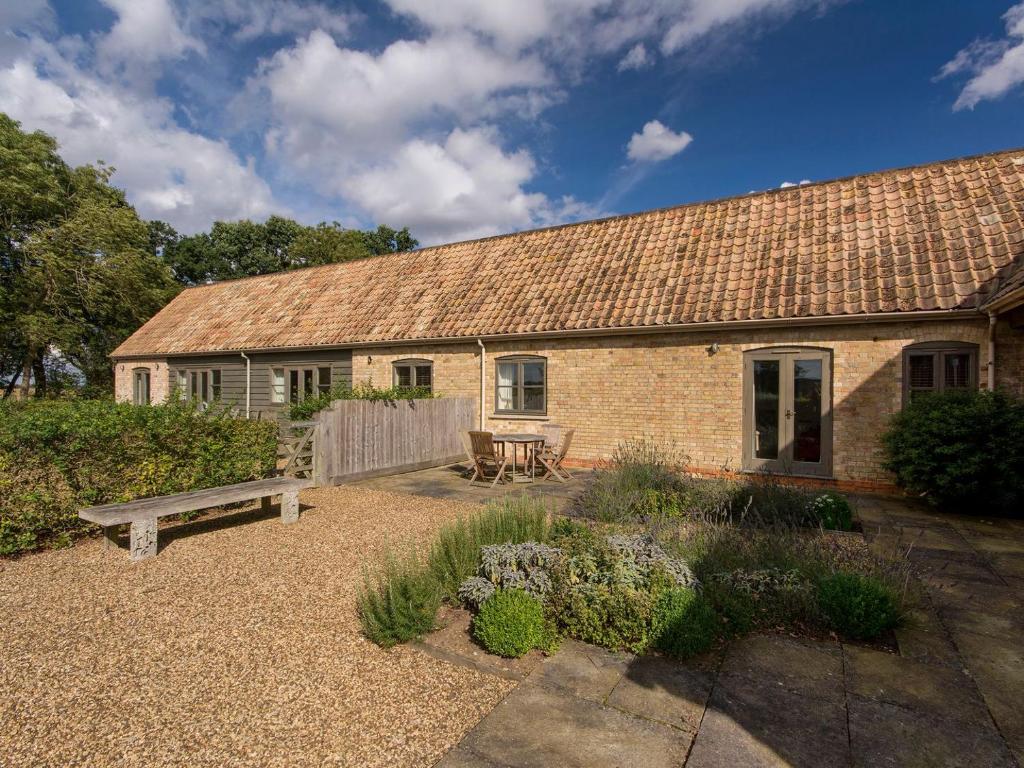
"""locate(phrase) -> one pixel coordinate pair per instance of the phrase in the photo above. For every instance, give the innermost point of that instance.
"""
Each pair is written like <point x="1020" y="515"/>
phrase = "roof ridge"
<point x="623" y="216"/>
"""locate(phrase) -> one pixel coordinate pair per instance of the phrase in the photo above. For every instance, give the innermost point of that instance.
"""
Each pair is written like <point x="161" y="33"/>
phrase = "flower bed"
<point x="677" y="583"/>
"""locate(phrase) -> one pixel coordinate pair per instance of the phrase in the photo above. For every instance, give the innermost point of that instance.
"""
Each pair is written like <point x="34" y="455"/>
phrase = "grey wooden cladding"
<point x="362" y="438"/>
<point x="232" y="367"/>
<point x="159" y="506"/>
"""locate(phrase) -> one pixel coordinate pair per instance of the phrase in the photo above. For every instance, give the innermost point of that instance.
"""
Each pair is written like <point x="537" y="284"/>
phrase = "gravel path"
<point x="238" y="645"/>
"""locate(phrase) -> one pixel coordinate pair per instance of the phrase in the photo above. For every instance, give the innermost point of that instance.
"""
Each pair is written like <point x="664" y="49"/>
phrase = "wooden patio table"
<point x="528" y="441"/>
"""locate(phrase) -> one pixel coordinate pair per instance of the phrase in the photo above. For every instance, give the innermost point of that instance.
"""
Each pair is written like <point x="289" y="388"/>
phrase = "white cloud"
<point x="349" y="101"/>
<point x="656" y="142"/>
<point x="146" y="31"/>
<point x="168" y="173"/>
<point x="636" y="58"/>
<point x="788" y="184"/>
<point x="996" y="67"/>
<point x="465" y="187"/>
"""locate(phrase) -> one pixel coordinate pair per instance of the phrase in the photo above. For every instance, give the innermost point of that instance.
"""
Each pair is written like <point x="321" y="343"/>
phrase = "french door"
<point x="787" y="411"/>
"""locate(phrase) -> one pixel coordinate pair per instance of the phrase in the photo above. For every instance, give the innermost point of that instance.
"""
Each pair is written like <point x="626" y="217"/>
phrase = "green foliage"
<point x="833" y="510"/>
<point x="387" y="240"/>
<point x="59" y="456"/>
<point x="963" y="450"/>
<point x="640" y="476"/>
<point x="455" y="553"/>
<point x="304" y="410"/>
<point x="647" y="483"/>
<point x="613" y="616"/>
<point x="399" y="602"/>
<point x="684" y="623"/>
<point x="75" y="268"/>
<point x="858" y="606"/>
<point x="233" y="249"/>
<point x="327" y="244"/>
<point x="511" y="624"/>
<point x="604" y="589"/>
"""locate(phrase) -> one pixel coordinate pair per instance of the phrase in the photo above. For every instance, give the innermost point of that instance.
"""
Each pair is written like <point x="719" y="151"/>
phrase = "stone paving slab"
<point x="671" y="692"/>
<point x="750" y="724"/>
<point x="584" y="670"/>
<point x="807" y="668"/>
<point x="884" y="735"/>
<point x="998" y="668"/>
<point x="938" y="691"/>
<point x="541" y="726"/>
<point x="1008" y="564"/>
<point x="923" y="638"/>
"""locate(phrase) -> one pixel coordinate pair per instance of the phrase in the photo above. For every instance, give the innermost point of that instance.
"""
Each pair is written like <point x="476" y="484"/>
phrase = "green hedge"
<point x="59" y="456"/>
<point x="961" y="450"/>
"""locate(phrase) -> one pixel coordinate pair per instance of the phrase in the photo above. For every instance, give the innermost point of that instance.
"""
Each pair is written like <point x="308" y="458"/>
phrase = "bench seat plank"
<point x="190" y="501"/>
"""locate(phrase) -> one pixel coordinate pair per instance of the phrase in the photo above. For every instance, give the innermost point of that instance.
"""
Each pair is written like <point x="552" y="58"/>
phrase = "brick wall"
<point x="669" y="388"/>
<point x="159" y="379"/>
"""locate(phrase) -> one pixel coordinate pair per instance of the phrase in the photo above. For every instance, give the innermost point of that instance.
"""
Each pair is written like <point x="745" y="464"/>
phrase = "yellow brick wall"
<point x="669" y="388"/>
<point x="159" y="379"/>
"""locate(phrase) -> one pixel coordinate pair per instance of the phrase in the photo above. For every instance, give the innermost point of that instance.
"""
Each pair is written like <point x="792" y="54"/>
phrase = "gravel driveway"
<point x="237" y="645"/>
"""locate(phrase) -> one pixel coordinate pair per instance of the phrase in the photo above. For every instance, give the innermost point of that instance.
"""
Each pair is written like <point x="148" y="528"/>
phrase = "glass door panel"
<point x="766" y="409"/>
<point x="807" y="410"/>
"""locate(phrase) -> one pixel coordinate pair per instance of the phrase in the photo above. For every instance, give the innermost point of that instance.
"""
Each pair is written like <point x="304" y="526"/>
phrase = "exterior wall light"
<point x="713" y="349"/>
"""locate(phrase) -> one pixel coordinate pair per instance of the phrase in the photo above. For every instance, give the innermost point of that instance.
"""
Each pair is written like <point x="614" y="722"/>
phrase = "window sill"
<point x="520" y="416"/>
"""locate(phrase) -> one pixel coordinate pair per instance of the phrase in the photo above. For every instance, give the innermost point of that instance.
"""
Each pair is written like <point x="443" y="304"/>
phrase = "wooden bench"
<point x="143" y="513"/>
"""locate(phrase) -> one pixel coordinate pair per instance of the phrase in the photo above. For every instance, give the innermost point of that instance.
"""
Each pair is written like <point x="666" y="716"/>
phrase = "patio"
<point x="451" y="482"/>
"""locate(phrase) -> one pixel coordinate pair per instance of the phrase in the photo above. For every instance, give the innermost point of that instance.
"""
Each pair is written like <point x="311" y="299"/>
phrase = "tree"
<point x="326" y="244"/>
<point x="233" y="249"/>
<point x="387" y="240"/>
<point x="74" y="256"/>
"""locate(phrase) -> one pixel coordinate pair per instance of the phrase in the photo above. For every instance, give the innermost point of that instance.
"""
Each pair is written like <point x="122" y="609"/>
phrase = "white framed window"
<point x="277" y="385"/>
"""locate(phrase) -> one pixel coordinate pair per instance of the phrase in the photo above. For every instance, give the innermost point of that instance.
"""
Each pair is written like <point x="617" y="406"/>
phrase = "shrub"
<point x="858" y="606"/>
<point x="604" y="589"/>
<point x="962" y="450"/>
<point x="684" y="623"/>
<point x="765" y="597"/>
<point x="510" y="624"/>
<point x="399" y="602"/>
<point x="455" y="554"/>
<point x="613" y="616"/>
<point x="57" y="456"/>
<point x="304" y="410"/>
<point x="640" y="475"/>
<point x="832" y="510"/>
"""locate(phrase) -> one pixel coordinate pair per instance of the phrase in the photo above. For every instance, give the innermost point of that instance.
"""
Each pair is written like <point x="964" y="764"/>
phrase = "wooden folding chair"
<point x="467" y="446"/>
<point x="552" y="457"/>
<point x="486" y="458"/>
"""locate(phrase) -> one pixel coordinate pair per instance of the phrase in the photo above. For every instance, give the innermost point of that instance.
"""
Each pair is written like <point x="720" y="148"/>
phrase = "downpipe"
<point x="248" y="371"/>
<point x="483" y="371"/>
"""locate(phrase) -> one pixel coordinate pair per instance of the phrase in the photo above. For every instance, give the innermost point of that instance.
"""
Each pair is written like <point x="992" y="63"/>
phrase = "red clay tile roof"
<point x="935" y="237"/>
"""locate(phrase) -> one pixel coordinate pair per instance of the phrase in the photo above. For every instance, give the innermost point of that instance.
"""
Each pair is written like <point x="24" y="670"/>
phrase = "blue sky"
<point x="463" y="118"/>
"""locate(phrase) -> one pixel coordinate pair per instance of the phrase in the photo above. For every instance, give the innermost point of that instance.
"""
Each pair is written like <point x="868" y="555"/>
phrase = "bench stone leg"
<point x="290" y="507"/>
<point x="265" y="504"/>
<point x="143" y="539"/>
<point x="110" y="533"/>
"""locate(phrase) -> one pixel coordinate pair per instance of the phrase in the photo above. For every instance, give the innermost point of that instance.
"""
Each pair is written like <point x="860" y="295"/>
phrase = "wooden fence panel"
<point x="363" y="438"/>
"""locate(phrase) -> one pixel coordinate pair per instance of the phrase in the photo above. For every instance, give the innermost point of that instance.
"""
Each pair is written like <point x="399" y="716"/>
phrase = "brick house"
<point x="776" y="330"/>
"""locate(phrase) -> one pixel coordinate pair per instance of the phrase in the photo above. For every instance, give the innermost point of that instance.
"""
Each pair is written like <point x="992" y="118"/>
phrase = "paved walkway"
<point x="950" y="697"/>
